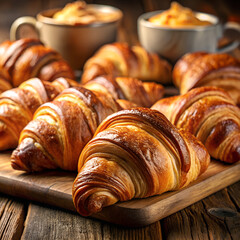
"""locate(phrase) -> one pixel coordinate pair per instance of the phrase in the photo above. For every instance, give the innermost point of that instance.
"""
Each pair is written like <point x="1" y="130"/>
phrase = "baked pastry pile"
<point x="61" y="128"/>
<point x="104" y="127"/>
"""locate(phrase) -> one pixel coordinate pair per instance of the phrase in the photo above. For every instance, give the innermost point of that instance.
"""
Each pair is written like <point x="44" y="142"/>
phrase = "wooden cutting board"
<point x="55" y="188"/>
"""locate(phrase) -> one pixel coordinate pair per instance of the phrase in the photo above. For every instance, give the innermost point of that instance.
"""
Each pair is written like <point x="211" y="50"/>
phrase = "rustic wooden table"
<point x="215" y="217"/>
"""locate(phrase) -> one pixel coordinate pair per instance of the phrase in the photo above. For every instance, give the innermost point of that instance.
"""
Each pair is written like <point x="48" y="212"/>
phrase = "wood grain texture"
<point x="12" y="216"/>
<point x="221" y="225"/>
<point x="197" y="222"/>
<point x="234" y="193"/>
<point x="55" y="188"/>
<point x="58" y="224"/>
<point x="61" y="224"/>
<point x="44" y="187"/>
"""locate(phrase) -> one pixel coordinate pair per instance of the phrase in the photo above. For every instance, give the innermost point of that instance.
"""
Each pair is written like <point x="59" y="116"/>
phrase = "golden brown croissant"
<point x="135" y="153"/>
<point x="143" y="94"/>
<point x="61" y="128"/>
<point x="208" y="69"/>
<point x="121" y="60"/>
<point x="27" y="58"/>
<point x="211" y="115"/>
<point x="18" y="105"/>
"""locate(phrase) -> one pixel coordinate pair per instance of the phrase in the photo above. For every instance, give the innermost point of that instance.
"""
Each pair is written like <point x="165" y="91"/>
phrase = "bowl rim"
<point x="143" y="21"/>
<point x="45" y="17"/>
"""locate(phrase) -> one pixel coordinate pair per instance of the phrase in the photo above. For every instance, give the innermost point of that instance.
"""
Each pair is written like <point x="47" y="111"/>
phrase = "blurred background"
<point x="226" y="10"/>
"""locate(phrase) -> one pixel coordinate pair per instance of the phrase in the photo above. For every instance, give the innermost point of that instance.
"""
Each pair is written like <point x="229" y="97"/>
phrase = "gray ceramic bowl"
<point x="172" y="43"/>
<point x="76" y="43"/>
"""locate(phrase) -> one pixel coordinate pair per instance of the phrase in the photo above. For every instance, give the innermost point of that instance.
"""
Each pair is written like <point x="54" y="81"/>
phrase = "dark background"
<point x="226" y="10"/>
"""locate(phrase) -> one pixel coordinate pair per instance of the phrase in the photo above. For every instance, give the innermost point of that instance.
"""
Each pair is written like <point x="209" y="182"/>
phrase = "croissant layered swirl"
<point x="18" y="105"/>
<point x="208" y="69"/>
<point x="61" y="128"/>
<point x="27" y="58"/>
<point x="143" y="94"/>
<point x="211" y="115"/>
<point x="119" y="59"/>
<point x="135" y="153"/>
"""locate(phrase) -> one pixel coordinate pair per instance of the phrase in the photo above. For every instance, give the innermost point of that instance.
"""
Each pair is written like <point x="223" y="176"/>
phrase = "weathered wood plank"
<point x="188" y="223"/>
<point x="199" y="222"/>
<point x="52" y="223"/>
<point x="152" y="231"/>
<point x="225" y="219"/>
<point x="49" y="186"/>
<point x="234" y="192"/>
<point x="12" y="216"/>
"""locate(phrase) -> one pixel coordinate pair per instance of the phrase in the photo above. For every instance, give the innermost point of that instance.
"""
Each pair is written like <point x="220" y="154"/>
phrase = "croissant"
<point x="119" y="59"/>
<point x="211" y="115"/>
<point x="18" y="105"/>
<point x="61" y="128"/>
<point x="143" y="94"/>
<point x="208" y="69"/>
<point x="27" y="58"/>
<point x="135" y="153"/>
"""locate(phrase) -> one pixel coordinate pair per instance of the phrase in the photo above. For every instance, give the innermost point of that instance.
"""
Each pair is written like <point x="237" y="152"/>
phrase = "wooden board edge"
<point x="119" y="213"/>
<point x="36" y="194"/>
<point x="138" y="217"/>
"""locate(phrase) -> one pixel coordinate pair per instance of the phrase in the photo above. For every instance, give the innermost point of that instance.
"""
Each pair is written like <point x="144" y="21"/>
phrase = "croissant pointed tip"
<point x="96" y="204"/>
<point x="88" y="202"/>
<point x="92" y="205"/>
<point x="28" y="157"/>
<point x="18" y="166"/>
<point x="16" y="162"/>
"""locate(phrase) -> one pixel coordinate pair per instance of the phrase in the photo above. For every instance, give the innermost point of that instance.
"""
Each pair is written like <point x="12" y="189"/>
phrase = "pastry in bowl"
<point x="177" y="16"/>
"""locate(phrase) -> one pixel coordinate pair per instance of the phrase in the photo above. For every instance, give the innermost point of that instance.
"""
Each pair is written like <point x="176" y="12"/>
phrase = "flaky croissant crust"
<point x="27" y="58"/>
<point x="143" y="94"/>
<point x="208" y="69"/>
<point x="135" y="154"/>
<point x="18" y="105"/>
<point x="61" y="128"/>
<point x="211" y="115"/>
<point x="119" y="59"/>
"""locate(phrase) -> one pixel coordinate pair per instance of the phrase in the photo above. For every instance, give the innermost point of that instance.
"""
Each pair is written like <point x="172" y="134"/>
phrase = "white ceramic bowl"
<point x="172" y="43"/>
